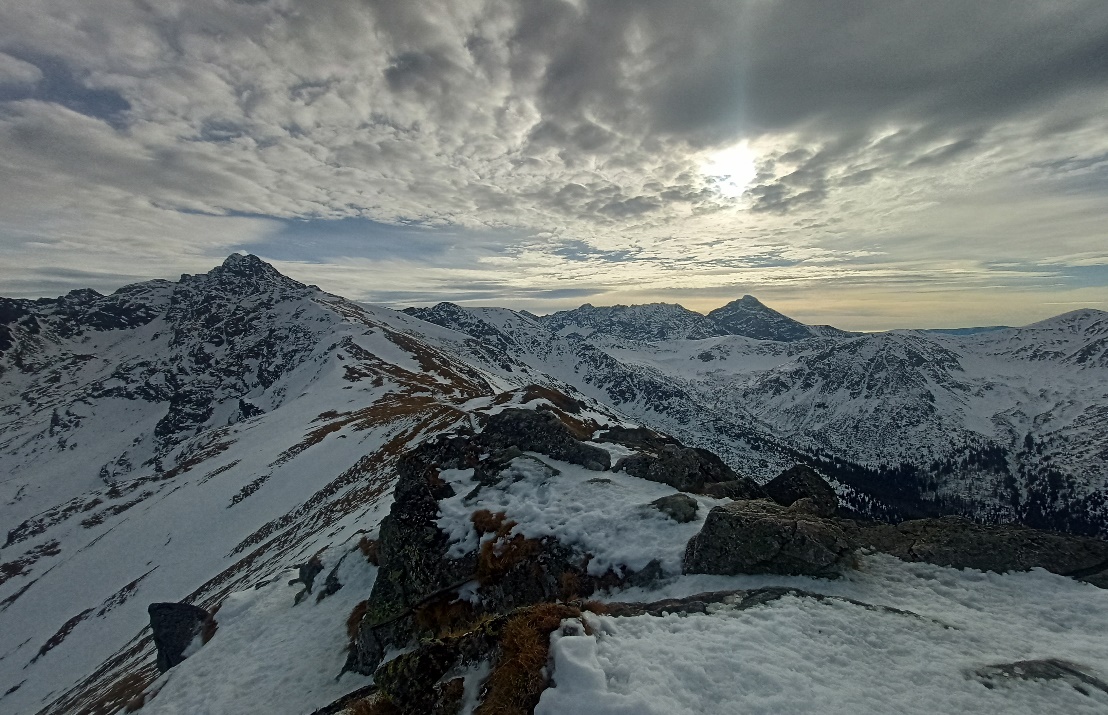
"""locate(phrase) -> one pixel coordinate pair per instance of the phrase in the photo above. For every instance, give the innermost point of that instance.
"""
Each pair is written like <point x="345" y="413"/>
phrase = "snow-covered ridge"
<point x="188" y="439"/>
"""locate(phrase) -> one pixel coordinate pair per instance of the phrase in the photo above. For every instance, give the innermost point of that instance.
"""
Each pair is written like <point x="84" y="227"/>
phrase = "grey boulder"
<point x="761" y="537"/>
<point x="802" y="482"/>
<point x="680" y="507"/>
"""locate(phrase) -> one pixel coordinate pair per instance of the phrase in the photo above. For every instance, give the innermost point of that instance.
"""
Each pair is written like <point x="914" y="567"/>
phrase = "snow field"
<point x="268" y="656"/>
<point x="800" y="655"/>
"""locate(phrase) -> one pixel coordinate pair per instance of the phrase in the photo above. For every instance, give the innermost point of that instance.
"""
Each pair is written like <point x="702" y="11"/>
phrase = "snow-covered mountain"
<point x="999" y="424"/>
<point x="187" y="440"/>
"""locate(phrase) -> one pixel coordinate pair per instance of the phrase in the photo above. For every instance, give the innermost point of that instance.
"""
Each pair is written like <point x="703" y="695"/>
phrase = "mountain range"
<point x="186" y="440"/>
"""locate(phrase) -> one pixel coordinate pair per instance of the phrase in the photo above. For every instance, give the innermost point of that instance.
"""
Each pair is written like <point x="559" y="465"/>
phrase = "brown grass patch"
<point x="368" y="547"/>
<point x="355" y="619"/>
<point x="121" y="694"/>
<point x="374" y="705"/>
<point x="514" y="686"/>
<point x="570" y="585"/>
<point x="488" y="523"/>
<point x="444" y="614"/>
<point x="499" y="555"/>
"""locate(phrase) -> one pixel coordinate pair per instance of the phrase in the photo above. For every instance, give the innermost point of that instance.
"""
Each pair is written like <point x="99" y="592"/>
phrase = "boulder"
<point x="175" y="626"/>
<point x="680" y="507"/>
<point x="686" y="469"/>
<point x="541" y="431"/>
<point x="802" y="482"/>
<point x="741" y="488"/>
<point x="762" y="537"/>
<point x="961" y="543"/>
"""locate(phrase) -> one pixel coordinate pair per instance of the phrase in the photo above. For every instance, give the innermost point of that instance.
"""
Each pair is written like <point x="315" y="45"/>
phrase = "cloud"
<point x="14" y="71"/>
<point x="558" y="140"/>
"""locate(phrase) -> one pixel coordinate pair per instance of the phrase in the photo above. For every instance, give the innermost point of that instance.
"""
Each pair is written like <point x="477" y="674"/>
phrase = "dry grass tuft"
<point x="373" y="705"/>
<point x="488" y="523"/>
<point x="355" y="619"/>
<point x="514" y="686"/>
<point x="121" y="694"/>
<point x="444" y="614"/>
<point x="368" y="548"/>
<point x="570" y="585"/>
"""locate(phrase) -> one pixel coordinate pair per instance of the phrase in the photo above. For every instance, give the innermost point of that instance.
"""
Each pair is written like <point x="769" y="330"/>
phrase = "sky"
<point x="876" y="164"/>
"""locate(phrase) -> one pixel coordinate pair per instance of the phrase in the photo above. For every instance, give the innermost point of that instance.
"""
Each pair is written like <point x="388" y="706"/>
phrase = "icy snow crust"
<point x="799" y="655"/>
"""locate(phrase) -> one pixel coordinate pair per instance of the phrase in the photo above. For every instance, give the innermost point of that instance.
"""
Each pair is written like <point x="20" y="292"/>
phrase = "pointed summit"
<point x="749" y="317"/>
<point x="248" y="265"/>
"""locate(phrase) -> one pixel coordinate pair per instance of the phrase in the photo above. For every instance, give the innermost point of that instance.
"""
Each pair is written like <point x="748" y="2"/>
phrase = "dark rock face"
<point x="761" y="537"/>
<point x="801" y="482"/>
<point x="684" y="468"/>
<point x="954" y="541"/>
<point x="541" y="431"/>
<point x="742" y="488"/>
<point x="680" y="507"/>
<point x="1048" y="669"/>
<point x="748" y="316"/>
<point x="637" y="437"/>
<point x="175" y="625"/>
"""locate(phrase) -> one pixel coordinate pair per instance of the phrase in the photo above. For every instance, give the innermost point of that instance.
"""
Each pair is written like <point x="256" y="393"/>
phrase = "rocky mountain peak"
<point x="750" y="317"/>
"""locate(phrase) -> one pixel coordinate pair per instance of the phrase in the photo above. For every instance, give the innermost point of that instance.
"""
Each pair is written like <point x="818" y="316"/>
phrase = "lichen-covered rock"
<point x="542" y="431"/>
<point x="680" y="507"/>
<point x="174" y="627"/>
<point x="686" y="469"/>
<point x="961" y="543"/>
<point x="762" y="537"/>
<point x="802" y="482"/>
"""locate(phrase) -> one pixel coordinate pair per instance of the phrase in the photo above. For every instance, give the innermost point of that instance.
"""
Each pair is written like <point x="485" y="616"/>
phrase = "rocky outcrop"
<point x="802" y="482"/>
<point x="416" y="593"/>
<point x="680" y="507"/>
<point x="961" y="543"/>
<point x="1047" y="669"/>
<point x="746" y="537"/>
<point x="175" y="626"/>
<point x="687" y="469"/>
<point x="542" y="431"/>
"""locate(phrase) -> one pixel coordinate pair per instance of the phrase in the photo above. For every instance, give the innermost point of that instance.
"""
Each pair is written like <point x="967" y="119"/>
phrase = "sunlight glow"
<point x="731" y="169"/>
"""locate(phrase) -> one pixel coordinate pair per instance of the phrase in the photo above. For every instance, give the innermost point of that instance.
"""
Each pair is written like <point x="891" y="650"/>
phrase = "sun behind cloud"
<point x="731" y="170"/>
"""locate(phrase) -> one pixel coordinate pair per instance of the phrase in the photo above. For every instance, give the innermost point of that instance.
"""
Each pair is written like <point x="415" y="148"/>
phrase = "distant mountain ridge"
<point x="204" y="434"/>
<point x="652" y="322"/>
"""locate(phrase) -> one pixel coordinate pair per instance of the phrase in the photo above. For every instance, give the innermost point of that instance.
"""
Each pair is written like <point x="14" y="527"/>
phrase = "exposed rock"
<point x="174" y="627"/>
<point x="637" y="437"/>
<point x="961" y="543"/>
<point x="802" y="482"/>
<point x="416" y="590"/>
<point x="306" y="574"/>
<point x="542" y="431"/>
<point x="741" y="488"/>
<point x="687" y="469"/>
<point x="761" y="537"/>
<point x="680" y="507"/>
<point x="1048" y="669"/>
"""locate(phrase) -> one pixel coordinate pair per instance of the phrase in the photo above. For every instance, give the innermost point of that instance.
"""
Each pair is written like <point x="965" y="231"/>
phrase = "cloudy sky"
<point x="869" y="164"/>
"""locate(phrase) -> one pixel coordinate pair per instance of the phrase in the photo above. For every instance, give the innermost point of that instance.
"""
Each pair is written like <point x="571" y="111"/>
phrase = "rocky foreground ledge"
<point x="468" y="594"/>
